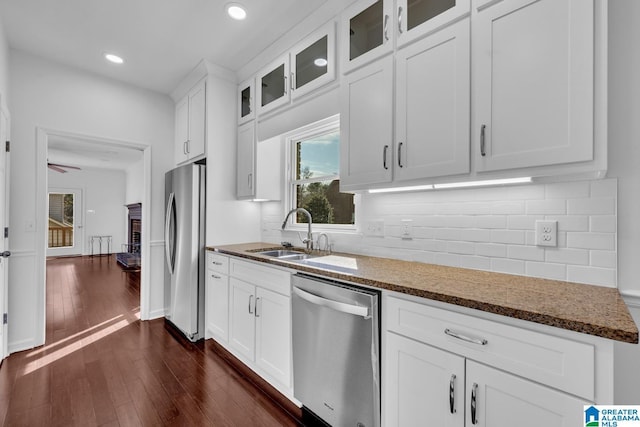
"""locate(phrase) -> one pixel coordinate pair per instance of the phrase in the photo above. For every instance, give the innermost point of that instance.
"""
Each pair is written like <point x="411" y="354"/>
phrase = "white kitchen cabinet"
<point x="190" y="125"/>
<point x="217" y="298"/>
<point x="533" y="73"/>
<point x="433" y="105"/>
<point x="246" y="101"/>
<point x="246" y="161"/>
<point x="313" y="61"/>
<point x="366" y="126"/>
<point x="260" y="320"/>
<point x="510" y="375"/>
<point x="418" y="18"/>
<point x="504" y="400"/>
<point x="367" y="32"/>
<point x="424" y="385"/>
<point x="273" y="85"/>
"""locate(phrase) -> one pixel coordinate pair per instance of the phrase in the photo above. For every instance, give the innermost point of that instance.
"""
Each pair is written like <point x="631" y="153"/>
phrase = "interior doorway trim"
<point x="42" y="139"/>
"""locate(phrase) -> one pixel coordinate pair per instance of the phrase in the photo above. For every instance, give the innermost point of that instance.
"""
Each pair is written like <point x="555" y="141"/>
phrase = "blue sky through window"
<point x="321" y="155"/>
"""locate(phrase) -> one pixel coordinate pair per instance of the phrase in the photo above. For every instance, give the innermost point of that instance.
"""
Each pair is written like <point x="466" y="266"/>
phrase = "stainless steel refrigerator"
<point x="184" y="235"/>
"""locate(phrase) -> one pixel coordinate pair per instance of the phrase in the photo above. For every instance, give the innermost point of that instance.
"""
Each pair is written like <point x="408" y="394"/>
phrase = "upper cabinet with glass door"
<point x="418" y="18"/>
<point x="307" y="66"/>
<point x="246" y="104"/>
<point x="313" y="62"/>
<point x="366" y="32"/>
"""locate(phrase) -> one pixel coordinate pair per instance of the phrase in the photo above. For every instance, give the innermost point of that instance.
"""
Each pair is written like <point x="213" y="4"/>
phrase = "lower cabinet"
<point x="217" y="306"/>
<point x="452" y="369"/>
<point x="260" y="329"/>
<point x="429" y="386"/>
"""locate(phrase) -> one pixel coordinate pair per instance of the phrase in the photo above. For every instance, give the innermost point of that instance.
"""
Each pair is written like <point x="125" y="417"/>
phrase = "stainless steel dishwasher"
<point x="336" y="363"/>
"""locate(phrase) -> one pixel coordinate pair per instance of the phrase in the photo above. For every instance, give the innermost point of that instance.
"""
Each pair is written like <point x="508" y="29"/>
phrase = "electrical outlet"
<point x="406" y="229"/>
<point x="374" y="228"/>
<point x="547" y="233"/>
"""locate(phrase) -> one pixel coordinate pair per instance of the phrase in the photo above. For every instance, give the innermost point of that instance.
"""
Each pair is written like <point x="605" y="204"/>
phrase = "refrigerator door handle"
<point x="169" y="243"/>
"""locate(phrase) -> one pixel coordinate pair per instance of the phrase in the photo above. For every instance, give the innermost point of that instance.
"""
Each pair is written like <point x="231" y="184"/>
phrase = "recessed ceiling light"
<point x="236" y="11"/>
<point x="113" y="58"/>
<point x="320" y="62"/>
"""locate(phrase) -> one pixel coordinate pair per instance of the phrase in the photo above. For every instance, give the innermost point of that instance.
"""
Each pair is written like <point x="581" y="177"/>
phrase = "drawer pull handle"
<point x="474" y="403"/>
<point x="452" y="390"/>
<point x="217" y="263"/>
<point x="216" y="277"/>
<point x="479" y="341"/>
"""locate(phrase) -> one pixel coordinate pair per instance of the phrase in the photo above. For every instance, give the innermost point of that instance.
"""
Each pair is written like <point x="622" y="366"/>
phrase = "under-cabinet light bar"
<point x="487" y="182"/>
<point x="484" y="183"/>
<point x="399" y="189"/>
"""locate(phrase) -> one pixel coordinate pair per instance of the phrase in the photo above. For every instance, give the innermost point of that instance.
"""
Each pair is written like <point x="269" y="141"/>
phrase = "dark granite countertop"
<point x="594" y="310"/>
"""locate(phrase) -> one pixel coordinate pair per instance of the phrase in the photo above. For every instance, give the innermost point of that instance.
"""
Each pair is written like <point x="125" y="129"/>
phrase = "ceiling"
<point x="160" y="40"/>
<point x="71" y="151"/>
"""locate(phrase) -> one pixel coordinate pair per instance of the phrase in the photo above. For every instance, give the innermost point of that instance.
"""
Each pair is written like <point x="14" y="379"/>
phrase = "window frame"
<point x="319" y="128"/>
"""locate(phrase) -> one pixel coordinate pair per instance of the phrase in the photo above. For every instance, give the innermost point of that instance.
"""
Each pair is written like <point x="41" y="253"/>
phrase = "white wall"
<point x="4" y="66"/>
<point x="103" y="198"/>
<point x="624" y="154"/>
<point x="53" y="96"/>
<point x="134" y="183"/>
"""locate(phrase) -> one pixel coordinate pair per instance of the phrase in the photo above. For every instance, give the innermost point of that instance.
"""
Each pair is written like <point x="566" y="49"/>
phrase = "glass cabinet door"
<point x="367" y="32"/>
<point x="273" y="85"/>
<point x="246" y="101"/>
<point x="417" y="18"/>
<point x="313" y="61"/>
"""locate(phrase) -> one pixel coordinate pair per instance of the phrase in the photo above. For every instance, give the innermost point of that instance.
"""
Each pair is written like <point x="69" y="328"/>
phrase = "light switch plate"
<point x="374" y="228"/>
<point x="406" y="229"/>
<point x="547" y="233"/>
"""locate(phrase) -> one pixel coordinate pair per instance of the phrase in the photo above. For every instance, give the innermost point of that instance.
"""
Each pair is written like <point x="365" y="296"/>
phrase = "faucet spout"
<point x="309" y="240"/>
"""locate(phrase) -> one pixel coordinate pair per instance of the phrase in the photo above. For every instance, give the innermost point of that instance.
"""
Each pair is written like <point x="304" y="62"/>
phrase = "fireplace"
<point x="130" y="257"/>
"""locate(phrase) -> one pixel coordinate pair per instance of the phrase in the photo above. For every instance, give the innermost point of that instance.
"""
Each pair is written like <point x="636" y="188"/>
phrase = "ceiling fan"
<point x="61" y="168"/>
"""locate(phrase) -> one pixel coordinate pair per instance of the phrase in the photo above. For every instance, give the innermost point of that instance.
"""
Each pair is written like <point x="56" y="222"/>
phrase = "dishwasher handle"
<point x="342" y="307"/>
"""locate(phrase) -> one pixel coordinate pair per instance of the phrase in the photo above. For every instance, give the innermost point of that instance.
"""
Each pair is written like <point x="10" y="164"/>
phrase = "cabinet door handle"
<point x="474" y="396"/>
<point x="452" y="390"/>
<point x="256" y="307"/>
<point x="293" y="82"/>
<point x="400" y="20"/>
<point x="384" y="156"/>
<point x="483" y="151"/>
<point x="386" y="27"/>
<point x="400" y="155"/>
<point x="250" y="299"/>
<point x="251" y="104"/>
<point x="479" y="341"/>
<point x="184" y="147"/>
<point x="250" y="181"/>
<point x="285" y="84"/>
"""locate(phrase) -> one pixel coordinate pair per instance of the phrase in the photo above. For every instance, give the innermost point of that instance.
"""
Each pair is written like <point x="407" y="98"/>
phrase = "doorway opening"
<point x="83" y="200"/>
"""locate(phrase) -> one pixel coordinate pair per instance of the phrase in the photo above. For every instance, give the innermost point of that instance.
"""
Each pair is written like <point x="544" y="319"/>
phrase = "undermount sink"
<point x="285" y="254"/>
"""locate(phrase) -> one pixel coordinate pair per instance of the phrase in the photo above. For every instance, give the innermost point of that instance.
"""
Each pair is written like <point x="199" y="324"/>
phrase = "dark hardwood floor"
<point x="102" y="366"/>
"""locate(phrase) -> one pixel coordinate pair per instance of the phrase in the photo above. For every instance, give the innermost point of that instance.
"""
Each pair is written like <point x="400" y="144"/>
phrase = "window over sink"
<point x="314" y="176"/>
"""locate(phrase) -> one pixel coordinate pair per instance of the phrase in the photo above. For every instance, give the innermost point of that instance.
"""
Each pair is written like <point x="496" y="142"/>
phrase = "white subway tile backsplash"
<point x="606" y="241"/>
<point x="598" y="206"/>
<point x="606" y="259"/>
<point x="546" y="270"/>
<point x="488" y="229"/>
<point x="546" y="207"/>
<point x="592" y="275"/>
<point x="603" y="223"/>
<point x="528" y="253"/>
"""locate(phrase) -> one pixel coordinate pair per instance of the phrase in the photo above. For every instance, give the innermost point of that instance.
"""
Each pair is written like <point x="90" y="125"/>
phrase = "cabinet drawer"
<point x="557" y="362"/>
<point x="216" y="262"/>
<point x="266" y="277"/>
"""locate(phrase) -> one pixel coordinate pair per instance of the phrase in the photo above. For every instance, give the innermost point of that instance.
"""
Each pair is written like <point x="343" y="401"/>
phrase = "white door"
<point x="242" y="327"/>
<point x="432" y="105"/>
<point x="65" y="228"/>
<point x="273" y="334"/>
<point x="4" y="222"/>
<point x="504" y="400"/>
<point x="366" y="126"/>
<point x="424" y="385"/>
